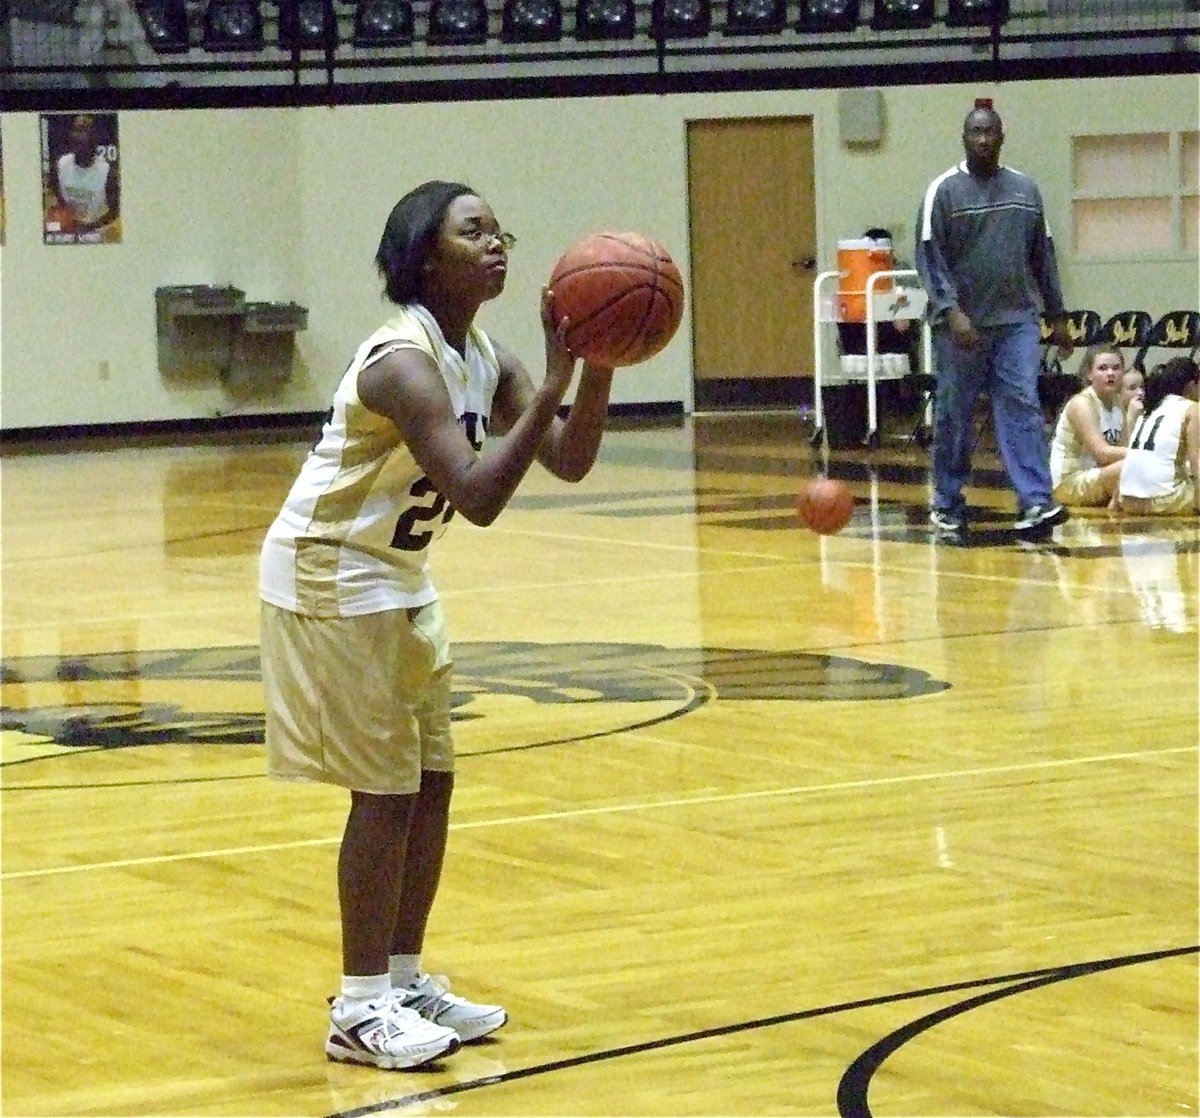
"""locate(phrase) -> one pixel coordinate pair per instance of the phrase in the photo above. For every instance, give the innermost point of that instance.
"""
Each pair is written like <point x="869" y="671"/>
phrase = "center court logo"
<point x="211" y="696"/>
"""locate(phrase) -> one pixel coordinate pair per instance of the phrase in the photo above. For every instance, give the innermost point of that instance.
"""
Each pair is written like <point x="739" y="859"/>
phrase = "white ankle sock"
<point x="404" y="969"/>
<point x="358" y="988"/>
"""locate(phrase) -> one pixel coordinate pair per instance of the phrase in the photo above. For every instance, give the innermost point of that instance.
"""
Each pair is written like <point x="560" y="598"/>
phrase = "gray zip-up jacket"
<point x="983" y="245"/>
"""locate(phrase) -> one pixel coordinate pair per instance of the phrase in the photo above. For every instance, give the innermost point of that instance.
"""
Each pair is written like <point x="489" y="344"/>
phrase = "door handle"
<point x="805" y="264"/>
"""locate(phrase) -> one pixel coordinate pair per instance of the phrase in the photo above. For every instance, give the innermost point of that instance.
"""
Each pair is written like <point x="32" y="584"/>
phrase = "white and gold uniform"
<point x="355" y="657"/>
<point x="1074" y="471"/>
<point x="354" y="533"/>
<point x="1156" y="467"/>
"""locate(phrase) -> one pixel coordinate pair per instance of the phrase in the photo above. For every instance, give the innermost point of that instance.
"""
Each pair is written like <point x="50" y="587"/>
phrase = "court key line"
<point x="766" y="562"/>
<point x="613" y="809"/>
<point x="466" y="591"/>
<point x="852" y="1090"/>
<point x="772" y="558"/>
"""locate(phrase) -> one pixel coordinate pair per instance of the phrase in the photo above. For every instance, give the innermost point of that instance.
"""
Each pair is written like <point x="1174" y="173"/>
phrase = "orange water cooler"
<point x="857" y="261"/>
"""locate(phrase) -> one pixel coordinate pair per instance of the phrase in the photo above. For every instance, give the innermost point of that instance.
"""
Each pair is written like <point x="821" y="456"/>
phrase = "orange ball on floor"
<point x="825" y="505"/>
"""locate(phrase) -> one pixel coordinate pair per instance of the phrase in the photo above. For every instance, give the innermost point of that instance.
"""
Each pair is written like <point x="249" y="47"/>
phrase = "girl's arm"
<point x="569" y="447"/>
<point x="407" y="387"/>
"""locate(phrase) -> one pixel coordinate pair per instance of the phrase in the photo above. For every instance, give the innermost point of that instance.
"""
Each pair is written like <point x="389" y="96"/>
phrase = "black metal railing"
<point x="118" y="53"/>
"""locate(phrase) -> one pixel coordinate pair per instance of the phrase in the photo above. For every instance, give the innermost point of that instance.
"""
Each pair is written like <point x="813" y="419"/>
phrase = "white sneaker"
<point x="385" y="1034"/>
<point x="1039" y="519"/>
<point x="430" y="996"/>
<point x="946" y="521"/>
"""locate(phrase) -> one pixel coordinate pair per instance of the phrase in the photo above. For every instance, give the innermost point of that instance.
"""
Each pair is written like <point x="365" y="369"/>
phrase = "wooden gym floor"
<point x="749" y="822"/>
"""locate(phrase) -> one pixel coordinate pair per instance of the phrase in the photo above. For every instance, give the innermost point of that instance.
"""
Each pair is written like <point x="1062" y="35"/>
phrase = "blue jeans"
<point x="1005" y="364"/>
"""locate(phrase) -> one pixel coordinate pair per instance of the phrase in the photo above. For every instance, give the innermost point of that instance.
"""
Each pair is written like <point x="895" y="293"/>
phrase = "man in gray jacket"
<point x="986" y="260"/>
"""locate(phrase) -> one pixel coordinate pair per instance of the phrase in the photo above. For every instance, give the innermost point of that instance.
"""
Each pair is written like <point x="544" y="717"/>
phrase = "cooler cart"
<point x="881" y="301"/>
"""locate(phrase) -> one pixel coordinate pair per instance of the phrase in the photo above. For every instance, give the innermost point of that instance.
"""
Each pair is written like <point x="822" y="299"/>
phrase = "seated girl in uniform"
<point x="1159" y="476"/>
<point x="1133" y="397"/>
<point x="1087" y="450"/>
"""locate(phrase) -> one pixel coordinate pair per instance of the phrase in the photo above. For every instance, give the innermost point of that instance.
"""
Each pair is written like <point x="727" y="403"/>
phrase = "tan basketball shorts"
<point x="362" y="702"/>
<point x="1181" y="500"/>
<point x="1082" y="489"/>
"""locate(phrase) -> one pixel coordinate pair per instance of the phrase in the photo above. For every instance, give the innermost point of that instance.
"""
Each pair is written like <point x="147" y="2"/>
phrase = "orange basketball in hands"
<point x="622" y="295"/>
<point x="825" y="505"/>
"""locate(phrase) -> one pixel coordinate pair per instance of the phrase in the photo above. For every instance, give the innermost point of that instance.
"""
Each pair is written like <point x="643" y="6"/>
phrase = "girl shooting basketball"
<point x="355" y="658"/>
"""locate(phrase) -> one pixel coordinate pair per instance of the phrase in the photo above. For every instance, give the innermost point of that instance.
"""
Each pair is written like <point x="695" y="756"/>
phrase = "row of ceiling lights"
<point x="231" y="25"/>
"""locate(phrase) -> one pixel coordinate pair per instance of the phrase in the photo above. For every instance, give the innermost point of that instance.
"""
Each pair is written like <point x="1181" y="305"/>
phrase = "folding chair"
<point x="1178" y="330"/>
<point x="922" y="432"/>
<point x="1128" y="329"/>
<point x="1056" y="387"/>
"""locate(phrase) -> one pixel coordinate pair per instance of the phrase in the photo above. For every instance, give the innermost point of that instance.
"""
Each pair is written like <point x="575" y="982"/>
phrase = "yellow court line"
<point x="614" y="541"/>
<point x="613" y="809"/>
<point x="160" y="615"/>
<point x="769" y="564"/>
<point x="766" y="557"/>
<point x="608" y="580"/>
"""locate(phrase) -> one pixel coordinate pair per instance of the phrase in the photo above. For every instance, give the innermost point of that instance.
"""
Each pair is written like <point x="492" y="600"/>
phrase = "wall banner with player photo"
<point x="81" y="179"/>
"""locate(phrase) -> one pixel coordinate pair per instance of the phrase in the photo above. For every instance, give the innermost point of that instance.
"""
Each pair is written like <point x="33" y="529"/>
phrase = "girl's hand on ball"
<point x="560" y="361"/>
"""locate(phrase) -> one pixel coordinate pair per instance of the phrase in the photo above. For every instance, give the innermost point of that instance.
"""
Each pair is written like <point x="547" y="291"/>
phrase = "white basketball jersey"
<point x="1068" y="455"/>
<point x="1154" y="464"/>
<point x="353" y="536"/>
<point x="84" y="188"/>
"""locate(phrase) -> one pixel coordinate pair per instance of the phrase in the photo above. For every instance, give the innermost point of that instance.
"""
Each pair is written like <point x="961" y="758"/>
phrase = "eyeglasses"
<point x="505" y="240"/>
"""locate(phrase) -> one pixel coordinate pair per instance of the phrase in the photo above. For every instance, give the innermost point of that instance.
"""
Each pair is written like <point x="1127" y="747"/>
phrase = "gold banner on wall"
<point x="81" y="179"/>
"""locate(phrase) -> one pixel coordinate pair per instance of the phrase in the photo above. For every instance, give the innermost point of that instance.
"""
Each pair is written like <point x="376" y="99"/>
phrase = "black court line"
<point x="160" y="782"/>
<point x="856" y="1079"/>
<point x="855" y="1083"/>
<point x="702" y="694"/>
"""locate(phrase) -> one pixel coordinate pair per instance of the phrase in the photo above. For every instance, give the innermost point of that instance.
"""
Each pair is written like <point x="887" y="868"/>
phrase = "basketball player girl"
<point x="1087" y="450"/>
<point x="355" y="659"/>
<point x="1160" y="472"/>
<point x="1132" y="397"/>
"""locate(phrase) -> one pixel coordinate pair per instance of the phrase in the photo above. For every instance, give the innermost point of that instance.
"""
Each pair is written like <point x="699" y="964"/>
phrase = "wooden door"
<point x="753" y="249"/>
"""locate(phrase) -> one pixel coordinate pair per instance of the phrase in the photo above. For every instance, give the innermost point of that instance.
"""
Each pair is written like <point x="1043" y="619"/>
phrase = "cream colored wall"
<point x="208" y="197"/>
<point x="552" y="171"/>
<point x="1039" y="119"/>
<point x="289" y="204"/>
